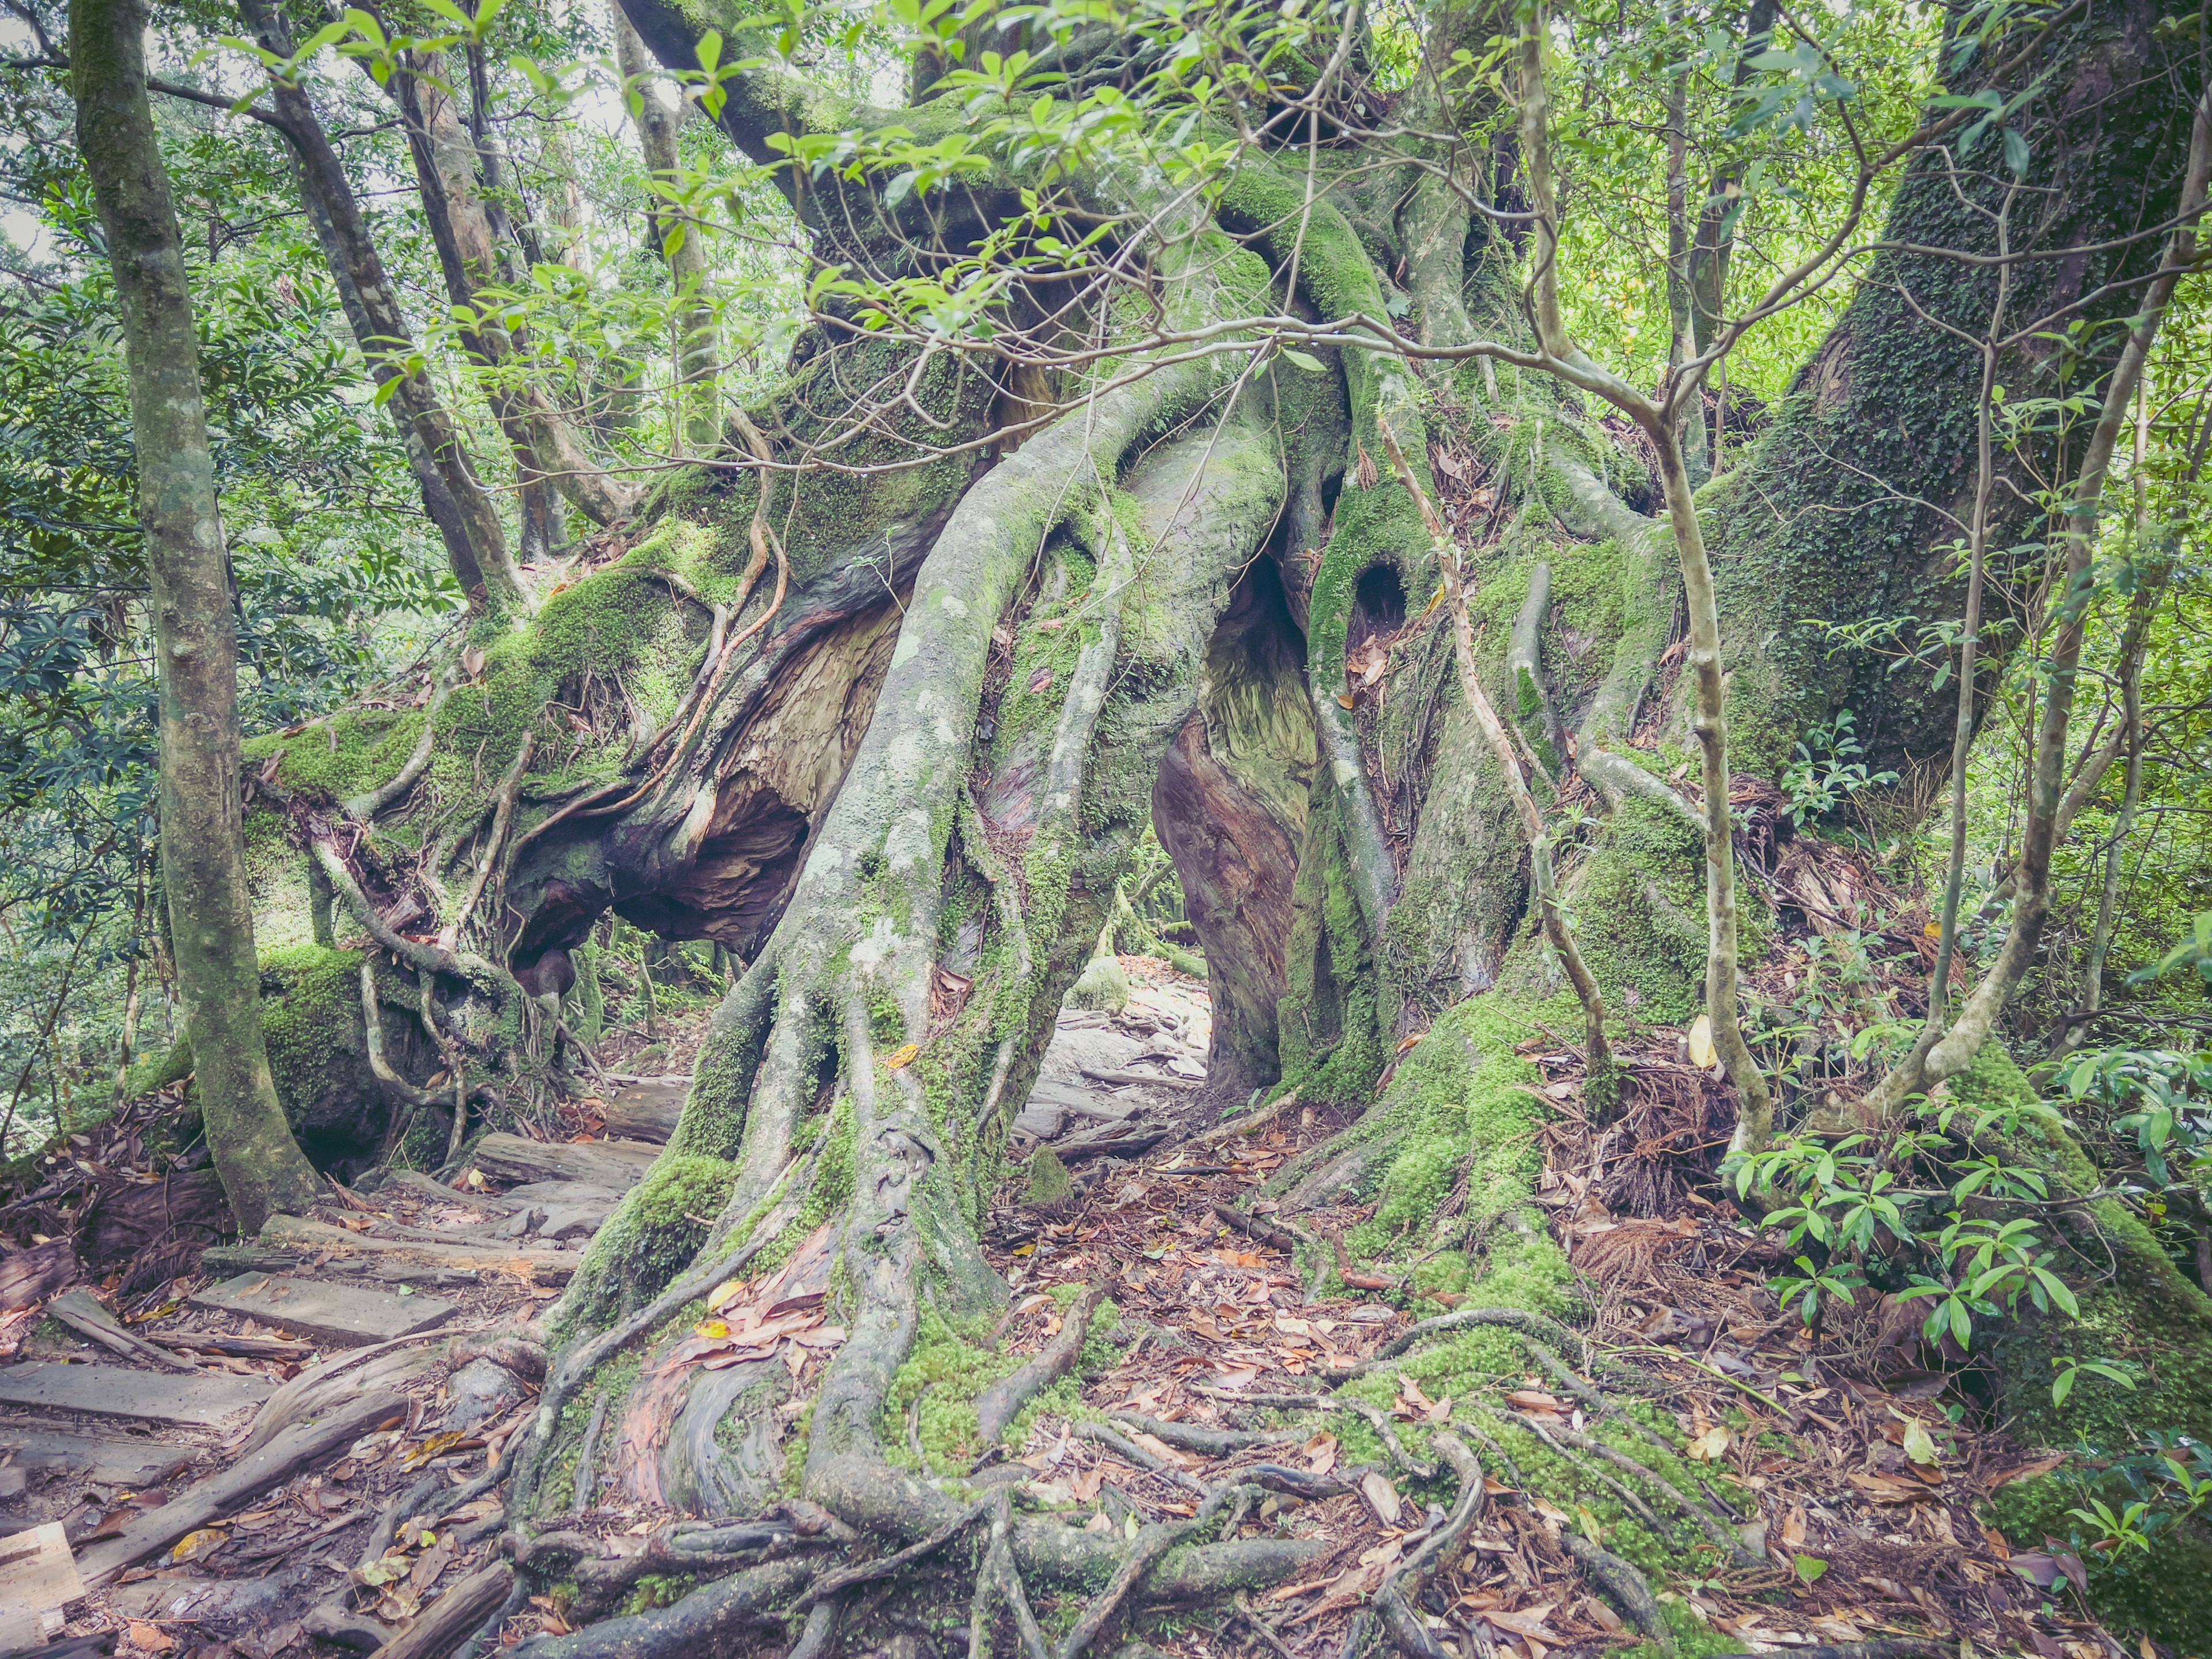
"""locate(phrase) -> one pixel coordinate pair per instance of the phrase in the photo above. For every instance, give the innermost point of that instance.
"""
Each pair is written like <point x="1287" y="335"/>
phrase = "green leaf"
<point x="1810" y="1567"/>
<point x="1303" y="361"/>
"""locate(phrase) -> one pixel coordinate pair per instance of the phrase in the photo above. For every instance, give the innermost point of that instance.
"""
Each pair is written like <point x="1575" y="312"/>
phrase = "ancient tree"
<point x="881" y="695"/>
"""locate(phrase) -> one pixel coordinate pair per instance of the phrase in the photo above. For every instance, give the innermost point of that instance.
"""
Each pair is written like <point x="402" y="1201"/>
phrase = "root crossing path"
<point x="1200" y="1426"/>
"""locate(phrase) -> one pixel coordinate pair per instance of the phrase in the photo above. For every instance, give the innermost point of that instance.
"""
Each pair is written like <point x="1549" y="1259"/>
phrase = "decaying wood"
<point x="292" y="1450"/>
<point x="247" y="1348"/>
<point x="77" y="1310"/>
<point x="615" y="1164"/>
<point x="445" y="1623"/>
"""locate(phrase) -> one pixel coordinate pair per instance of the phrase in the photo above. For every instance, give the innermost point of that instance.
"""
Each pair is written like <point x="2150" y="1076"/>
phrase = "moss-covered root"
<point x="2137" y="1308"/>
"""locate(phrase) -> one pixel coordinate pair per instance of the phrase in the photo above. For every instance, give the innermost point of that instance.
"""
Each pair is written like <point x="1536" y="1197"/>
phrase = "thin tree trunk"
<point x="1681" y="347"/>
<point x="474" y="243"/>
<point x="2150" y="586"/>
<point x="1709" y="705"/>
<point x="1927" y="1065"/>
<point x="676" y="241"/>
<point x="467" y="517"/>
<point x="196" y="640"/>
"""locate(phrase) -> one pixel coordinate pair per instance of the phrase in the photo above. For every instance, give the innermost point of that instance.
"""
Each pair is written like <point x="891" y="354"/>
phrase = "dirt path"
<point x="360" y="1367"/>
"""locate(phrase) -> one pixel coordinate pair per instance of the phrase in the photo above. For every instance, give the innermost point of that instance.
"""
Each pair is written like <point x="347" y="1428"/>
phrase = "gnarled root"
<point x="1002" y="1402"/>
<point x="1624" y="1586"/>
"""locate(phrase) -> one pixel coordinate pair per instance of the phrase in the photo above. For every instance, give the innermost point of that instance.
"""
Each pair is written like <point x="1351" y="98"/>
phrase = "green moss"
<point x="2166" y="1590"/>
<point x="652" y="1237"/>
<point x="2137" y="1308"/>
<point x="612" y="1381"/>
<point x="949" y="1366"/>
<point x="1330" y="1030"/>
<point x="1048" y="1180"/>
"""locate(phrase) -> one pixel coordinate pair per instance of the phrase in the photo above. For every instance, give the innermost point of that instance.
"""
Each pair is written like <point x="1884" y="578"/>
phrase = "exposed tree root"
<point x="1379" y="1421"/>
<point x="1620" y="1489"/>
<point x="1715" y="1527"/>
<point x="1285" y="1239"/>
<point x="999" y="1580"/>
<point x="706" y="1621"/>
<point x="1214" y="1443"/>
<point x="1000" y="1403"/>
<point x="845" y="1577"/>
<point x="1392" y="1598"/>
<point x="1625" y="1586"/>
<point x="363" y="807"/>
<point x="1133" y="1453"/>
<point x="1529" y="1324"/>
<point x="1152" y="1545"/>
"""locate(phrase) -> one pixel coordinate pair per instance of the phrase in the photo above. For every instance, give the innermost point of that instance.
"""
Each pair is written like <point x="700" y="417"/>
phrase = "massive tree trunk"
<point x="196" y="637"/>
<point x="901" y="777"/>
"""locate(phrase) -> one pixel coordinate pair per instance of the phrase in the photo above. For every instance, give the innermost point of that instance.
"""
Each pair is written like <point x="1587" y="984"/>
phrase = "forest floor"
<point x="1832" y="1454"/>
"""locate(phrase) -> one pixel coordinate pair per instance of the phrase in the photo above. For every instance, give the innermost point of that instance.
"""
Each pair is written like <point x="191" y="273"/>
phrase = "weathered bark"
<point x="676" y="239"/>
<point x="467" y="516"/>
<point x="196" y="638"/>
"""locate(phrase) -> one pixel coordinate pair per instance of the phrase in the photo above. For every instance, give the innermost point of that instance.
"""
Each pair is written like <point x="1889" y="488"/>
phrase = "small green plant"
<point x="2123" y="1529"/>
<point x="1987" y="1267"/>
<point x="1827" y="770"/>
<point x="2070" y="1368"/>
<point x="1838" y="1281"/>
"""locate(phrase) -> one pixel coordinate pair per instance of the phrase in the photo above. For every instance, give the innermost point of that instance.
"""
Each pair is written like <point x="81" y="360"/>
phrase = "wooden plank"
<point x="292" y="1450"/>
<point x="616" y="1164"/>
<point x="38" y="1579"/>
<point x="315" y="1238"/>
<point x="254" y="1259"/>
<point x="204" y="1402"/>
<point x="345" y="1314"/>
<point x="107" y="1461"/>
<point x="647" y="1110"/>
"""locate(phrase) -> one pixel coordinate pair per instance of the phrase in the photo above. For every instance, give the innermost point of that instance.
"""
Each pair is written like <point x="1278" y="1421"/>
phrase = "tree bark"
<point x="677" y="240"/>
<point x="463" y="510"/>
<point x="196" y="638"/>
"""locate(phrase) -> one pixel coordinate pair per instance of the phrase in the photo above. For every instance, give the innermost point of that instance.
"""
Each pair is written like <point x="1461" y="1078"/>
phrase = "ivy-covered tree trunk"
<point x="889" y="733"/>
<point x="196" y="638"/>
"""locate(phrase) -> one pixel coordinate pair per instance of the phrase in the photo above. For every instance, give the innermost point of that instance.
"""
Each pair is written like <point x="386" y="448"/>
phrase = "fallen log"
<point x="242" y="1347"/>
<point x="1145" y="1080"/>
<point x="317" y="1238"/>
<point x="414" y="1180"/>
<point x="226" y="1260"/>
<point x="647" y="1110"/>
<point x="286" y="1454"/>
<point x="1118" y="1141"/>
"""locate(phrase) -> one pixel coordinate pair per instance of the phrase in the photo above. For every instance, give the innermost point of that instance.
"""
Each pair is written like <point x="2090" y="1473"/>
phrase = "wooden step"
<point x="195" y="1402"/>
<point x="617" y="1165"/>
<point x="263" y="1259"/>
<point x="323" y="1242"/>
<point x="346" y="1315"/>
<point x="647" y="1110"/>
<point x="109" y="1461"/>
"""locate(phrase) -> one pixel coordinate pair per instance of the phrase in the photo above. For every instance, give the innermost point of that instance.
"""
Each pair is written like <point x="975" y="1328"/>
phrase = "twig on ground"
<point x="1131" y="1452"/>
